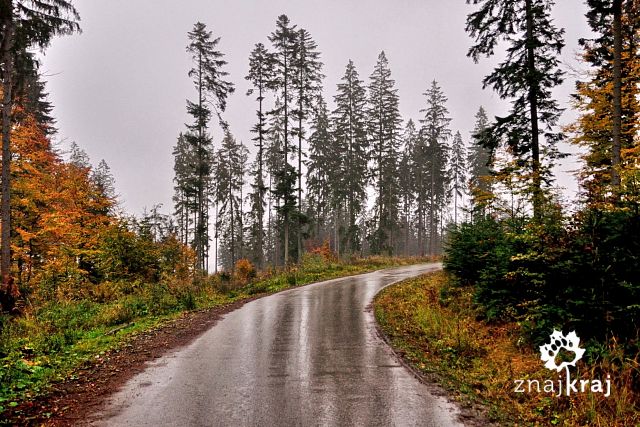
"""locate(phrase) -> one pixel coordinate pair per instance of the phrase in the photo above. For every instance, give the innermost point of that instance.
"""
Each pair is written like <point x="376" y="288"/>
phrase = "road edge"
<point x="472" y="416"/>
<point x="76" y="399"/>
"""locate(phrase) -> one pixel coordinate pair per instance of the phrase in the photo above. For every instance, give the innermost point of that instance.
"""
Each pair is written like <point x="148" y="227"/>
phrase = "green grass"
<point x="49" y="342"/>
<point x="436" y="327"/>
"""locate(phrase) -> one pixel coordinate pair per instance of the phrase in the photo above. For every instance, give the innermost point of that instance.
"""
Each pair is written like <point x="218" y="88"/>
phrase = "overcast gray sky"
<point x="119" y="88"/>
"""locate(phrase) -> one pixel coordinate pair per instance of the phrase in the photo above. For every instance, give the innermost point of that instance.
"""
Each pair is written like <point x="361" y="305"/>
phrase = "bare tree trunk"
<point x="195" y="233"/>
<point x="233" y="232"/>
<point x="352" y="219"/>
<point x="241" y="224"/>
<point x="617" y="95"/>
<point x="215" y="261"/>
<point x="261" y="189"/>
<point x="277" y="244"/>
<point x="432" y="210"/>
<point x="183" y="220"/>
<point x="199" y="226"/>
<point x="286" y="154"/>
<point x="335" y="232"/>
<point x="7" y="291"/>
<point x="272" y="245"/>
<point x="406" y="226"/>
<point x="286" y="239"/>
<point x="421" y="228"/>
<point x="380" y="200"/>
<point x="533" y="112"/>
<point x="455" y="207"/>
<point x="441" y="238"/>
<point x="299" y="225"/>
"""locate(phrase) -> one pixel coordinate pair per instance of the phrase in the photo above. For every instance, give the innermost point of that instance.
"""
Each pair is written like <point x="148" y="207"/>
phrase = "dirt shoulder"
<point x="84" y="391"/>
<point x="74" y="399"/>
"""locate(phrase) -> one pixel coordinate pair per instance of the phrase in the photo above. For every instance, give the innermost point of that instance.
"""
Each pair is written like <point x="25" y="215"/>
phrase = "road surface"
<point x="304" y="357"/>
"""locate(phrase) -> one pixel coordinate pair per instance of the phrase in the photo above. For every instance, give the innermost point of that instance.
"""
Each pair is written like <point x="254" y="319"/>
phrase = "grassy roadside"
<point x="47" y="344"/>
<point x="435" y="327"/>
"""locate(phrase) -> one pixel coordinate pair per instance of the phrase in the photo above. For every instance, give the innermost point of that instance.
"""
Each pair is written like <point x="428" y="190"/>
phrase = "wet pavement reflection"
<point x="308" y="356"/>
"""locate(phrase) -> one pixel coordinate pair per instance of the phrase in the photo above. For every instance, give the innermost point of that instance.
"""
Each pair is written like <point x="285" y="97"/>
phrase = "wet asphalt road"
<point x="304" y="357"/>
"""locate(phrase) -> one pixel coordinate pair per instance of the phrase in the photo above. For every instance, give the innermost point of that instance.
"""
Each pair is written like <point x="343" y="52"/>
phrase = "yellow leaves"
<point x="57" y="210"/>
<point x="25" y="235"/>
<point x="593" y="129"/>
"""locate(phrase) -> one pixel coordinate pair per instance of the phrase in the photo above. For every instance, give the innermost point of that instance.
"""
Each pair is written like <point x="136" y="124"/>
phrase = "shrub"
<point x="313" y="262"/>
<point x="291" y="279"/>
<point x="324" y="251"/>
<point x="244" y="271"/>
<point x="187" y="299"/>
<point x="480" y="254"/>
<point x="472" y="247"/>
<point x="582" y="276"/>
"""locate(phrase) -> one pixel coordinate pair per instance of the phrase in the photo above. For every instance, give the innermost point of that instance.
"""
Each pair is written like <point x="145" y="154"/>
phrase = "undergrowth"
<point x="436" y="327"/>
<point x="50" y="339"/>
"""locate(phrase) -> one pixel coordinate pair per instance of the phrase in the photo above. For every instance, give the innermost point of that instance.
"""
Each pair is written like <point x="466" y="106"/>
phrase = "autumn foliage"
<point x="244" y="271"/>
<point x="324" y="251"/>
<point x="66" y="240"/>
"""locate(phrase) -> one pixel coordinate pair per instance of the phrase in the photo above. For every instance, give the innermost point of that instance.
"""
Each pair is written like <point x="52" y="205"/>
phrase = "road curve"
<point x="307" y="356"/>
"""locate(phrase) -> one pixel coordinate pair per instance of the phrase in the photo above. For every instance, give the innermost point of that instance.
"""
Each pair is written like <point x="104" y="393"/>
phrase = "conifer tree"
<point x="527" y="76"/>
<point x="322" y="168"/>
<point x="430" y="160"/>
<point x="407" y="182"/>
<point x="274" y="162"/>
<point x="209" y="80"/>
<point x="34" y="99"/>
<point x="230" y="169"/>
<point x="307" y="73"/>
<point x="284" y="40"/>
<point x="457" y="171"/>
<point x="104" y="181"/>
<point x="184" y="195"/>
<point x="384" y="121"/>
<point x="479" y="155"/>
<point x="260" y="75"/>
<point x="350" y="136"/>
<point x="78" y="157"/>
<point x="479" y="160"/>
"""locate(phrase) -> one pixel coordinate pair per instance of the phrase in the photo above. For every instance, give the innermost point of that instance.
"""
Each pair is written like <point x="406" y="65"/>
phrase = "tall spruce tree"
<point x="527" y="76"/>
<point x="184" y="189"/>
<point x="284" y="41"/>
<point x="307" y="73"/>
<point x="105" y="183"/>
<point x="274" y="162"/>
<point x="322" y="170"/>
<point x="209" y="80"/>
<point x="350" y="135"/>
<point x="407" y="183"/>
<point x="479" y="161"/>
<point x="457" y="171"/>
<point x="430" y="160"/>
<point x="229" y="174"/>
<point x="260" y="75"/>
<point x="24" y="24"/>
<point x="384" y="121"/>
<point x="479" y="155"/>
